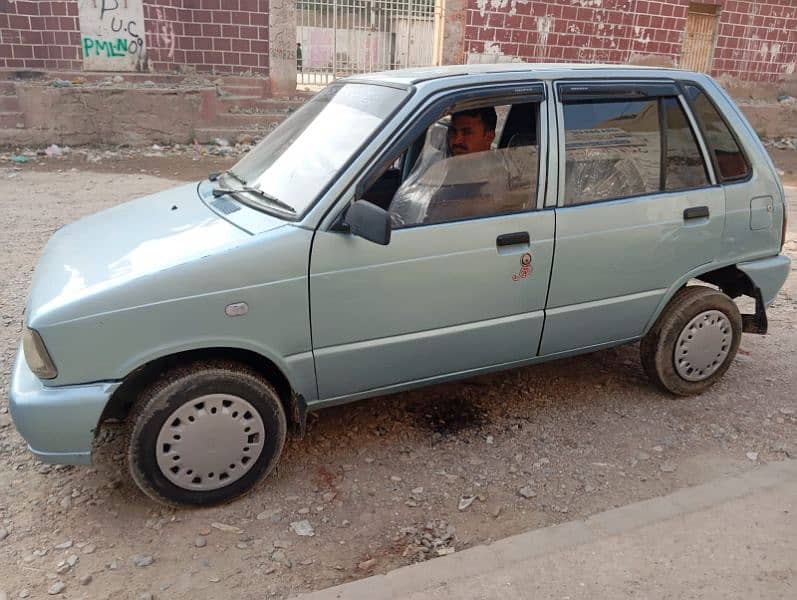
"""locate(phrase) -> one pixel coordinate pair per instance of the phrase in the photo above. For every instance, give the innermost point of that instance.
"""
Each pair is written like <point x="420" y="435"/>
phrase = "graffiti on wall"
<point x="112" y="35"/>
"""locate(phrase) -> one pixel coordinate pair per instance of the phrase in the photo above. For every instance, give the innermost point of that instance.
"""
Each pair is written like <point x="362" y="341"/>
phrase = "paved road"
<point x="732" y="538"/>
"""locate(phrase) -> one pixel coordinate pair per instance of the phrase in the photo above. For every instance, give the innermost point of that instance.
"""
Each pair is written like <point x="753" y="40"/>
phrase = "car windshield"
<point x="295" y="162"/>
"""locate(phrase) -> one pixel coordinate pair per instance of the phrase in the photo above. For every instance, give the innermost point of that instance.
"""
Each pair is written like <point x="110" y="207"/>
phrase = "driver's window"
<point x="469" y="164"/>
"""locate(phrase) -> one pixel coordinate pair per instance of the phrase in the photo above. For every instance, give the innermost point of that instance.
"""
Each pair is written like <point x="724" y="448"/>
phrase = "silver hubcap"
<point x="703" y="345"/>
<point x="210" y="442"/>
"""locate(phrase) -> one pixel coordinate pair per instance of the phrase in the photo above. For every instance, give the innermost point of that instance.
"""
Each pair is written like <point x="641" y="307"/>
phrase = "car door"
<point x="638" y="209"/>
<point x="448" y="295"/>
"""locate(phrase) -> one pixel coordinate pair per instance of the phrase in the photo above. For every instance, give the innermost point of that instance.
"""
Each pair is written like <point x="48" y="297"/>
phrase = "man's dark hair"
<point x="486" y="114"/>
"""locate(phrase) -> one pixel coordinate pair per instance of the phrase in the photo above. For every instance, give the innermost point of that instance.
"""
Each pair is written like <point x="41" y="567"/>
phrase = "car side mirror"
<point x="369" y="222"/>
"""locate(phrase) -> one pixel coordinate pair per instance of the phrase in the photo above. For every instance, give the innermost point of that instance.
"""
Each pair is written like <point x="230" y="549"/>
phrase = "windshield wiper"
<point x="259" y="193"/>
<point x="230" y="172"/>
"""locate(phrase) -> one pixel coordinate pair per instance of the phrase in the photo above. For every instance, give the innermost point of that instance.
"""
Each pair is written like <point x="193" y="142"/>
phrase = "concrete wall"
<point x="756" y="41"/>
<point x="110" y="115"/>
<point x="221" y="36"/>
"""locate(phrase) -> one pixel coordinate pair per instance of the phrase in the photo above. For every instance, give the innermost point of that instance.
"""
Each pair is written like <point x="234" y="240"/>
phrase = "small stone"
<point x="752" y="456"/>
<point x="72" y="560"/>
<point x="145" y="596"/>
<point x="329" y="496"/>
<point x="143" y="560"/>
<point x="200" y="542"/>
<point x="788" y="411"/>
<point x="270" y="514"/>
<point x="465" y="502"/>
<point x="668" y="467"/>
<point x="490" y="440"/>
<point x="226" y="528"/>
<point x="411" y="503"/>
<point x="279" y="556"/>
<point x="303" y="511"/>
<point x="527" y="492"/>
<point x="56" y="588"/>
<point x="213" y="579"/>
<point x="642" y="455"/>
<point x="445" y="551"/>
<point x="3" y="533"/>
<point x="66" y="502"/>
<point x="496" y="512"/>
<point x="589" y="488"/>
<point x="64" y="545"/>
<point x="658" y="449"/>
<point x="395" y="478"/>
<point x="417" y="491"/>
<point x="303" y="528"/>
<point x="367" y="565"/>
<point x="89" y="548"/>
<point x="85" y="580"/>
<point x="113" y="565"/>
<point x="24" y="593"/>
<point x="242" y="545"/>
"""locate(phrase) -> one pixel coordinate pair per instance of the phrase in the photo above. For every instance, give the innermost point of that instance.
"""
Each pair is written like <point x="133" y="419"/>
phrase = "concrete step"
<point x="9" y="103"/>
<point x="206" y="135"/>
<point x="248" y="91"/>
<point x="261" y="104"/>
<point x="242" y="120"/>
<point x="11" y="119"/>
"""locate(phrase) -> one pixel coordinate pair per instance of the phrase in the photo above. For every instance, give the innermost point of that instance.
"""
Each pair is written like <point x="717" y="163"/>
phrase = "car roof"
<point x="542" y="70"/>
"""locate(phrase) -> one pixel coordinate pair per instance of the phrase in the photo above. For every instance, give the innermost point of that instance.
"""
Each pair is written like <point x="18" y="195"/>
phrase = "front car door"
<point x="462" y="284"/>
<point x="639" y="207"/>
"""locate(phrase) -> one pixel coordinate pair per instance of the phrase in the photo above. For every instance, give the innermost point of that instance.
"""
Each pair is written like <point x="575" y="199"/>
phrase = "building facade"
<point x="751" y="41"/>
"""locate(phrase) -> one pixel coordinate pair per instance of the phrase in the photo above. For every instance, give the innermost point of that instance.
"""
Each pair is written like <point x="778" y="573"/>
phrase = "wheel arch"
<point x="123" y="399"/>
<point x="729" y="279"/>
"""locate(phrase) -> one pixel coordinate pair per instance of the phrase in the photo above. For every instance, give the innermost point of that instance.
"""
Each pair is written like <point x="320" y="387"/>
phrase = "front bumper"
<point x="58" y="423"/>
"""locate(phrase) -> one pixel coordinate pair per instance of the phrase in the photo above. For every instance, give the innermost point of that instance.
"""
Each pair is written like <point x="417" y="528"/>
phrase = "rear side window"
<point x="616" y="149"/>
<point x="731" y="163"/>
<point x="613" y="150"/>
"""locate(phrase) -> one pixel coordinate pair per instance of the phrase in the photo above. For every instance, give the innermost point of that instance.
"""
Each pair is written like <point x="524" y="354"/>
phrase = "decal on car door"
<point x="525" y="267"/>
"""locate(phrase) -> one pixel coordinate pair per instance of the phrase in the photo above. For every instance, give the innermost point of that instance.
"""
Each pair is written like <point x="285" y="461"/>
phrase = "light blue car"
<point x="402" y="229"/>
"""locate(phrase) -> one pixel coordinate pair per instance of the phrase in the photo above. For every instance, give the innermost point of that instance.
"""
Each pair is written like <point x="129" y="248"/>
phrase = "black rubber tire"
<point x="657" y="349"/>
<point x="181" y="386"/>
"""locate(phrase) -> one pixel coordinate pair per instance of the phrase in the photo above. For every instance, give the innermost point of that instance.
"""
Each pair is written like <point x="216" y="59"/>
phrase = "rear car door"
<point x="462" y="284"/>
<point x="638" y="208"/>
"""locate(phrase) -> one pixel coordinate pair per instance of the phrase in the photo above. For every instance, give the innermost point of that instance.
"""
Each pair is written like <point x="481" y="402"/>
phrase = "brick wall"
<point x="756" y="41"/>
<point x="179" y="33"/>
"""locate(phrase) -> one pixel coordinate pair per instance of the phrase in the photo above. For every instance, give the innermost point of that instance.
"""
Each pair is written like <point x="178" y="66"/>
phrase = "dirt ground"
<point x="383" y="482"/>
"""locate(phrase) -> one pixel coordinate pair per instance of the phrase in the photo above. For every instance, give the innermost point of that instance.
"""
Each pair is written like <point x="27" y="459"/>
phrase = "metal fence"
<point x="343" y="37"/>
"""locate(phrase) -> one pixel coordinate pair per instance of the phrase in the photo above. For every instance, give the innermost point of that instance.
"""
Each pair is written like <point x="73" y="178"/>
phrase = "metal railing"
<point x="342" y="37"/>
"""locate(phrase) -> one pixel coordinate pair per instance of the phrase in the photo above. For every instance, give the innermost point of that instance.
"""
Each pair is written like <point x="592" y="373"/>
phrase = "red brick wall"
<point x="39" y="35"/>
<point x="179" y="33"/>
<point x="756" y="40"/>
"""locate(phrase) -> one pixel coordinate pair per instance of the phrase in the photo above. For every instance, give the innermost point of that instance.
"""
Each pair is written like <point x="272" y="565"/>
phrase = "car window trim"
<point x="589" y="91"/>
<point x="698" y="135"/>
<point x="720" y="180"/>
<point x="514" y="92"/>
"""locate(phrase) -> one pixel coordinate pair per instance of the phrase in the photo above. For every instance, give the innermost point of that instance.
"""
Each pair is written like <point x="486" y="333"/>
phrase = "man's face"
<point x="467" y="134"/>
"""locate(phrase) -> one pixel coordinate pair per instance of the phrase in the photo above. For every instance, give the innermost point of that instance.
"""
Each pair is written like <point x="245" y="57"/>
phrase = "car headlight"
<point x="36" y="355"/>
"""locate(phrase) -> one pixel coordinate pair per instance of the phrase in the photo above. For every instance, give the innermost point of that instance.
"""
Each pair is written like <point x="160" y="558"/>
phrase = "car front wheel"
<point x="205" y="434"/>
<point x="693" y="342"/>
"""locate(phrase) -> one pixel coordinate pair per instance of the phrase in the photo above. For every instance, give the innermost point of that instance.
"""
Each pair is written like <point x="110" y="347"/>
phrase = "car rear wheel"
<point x="693" y="342"/>
<point x="205" y="434"/>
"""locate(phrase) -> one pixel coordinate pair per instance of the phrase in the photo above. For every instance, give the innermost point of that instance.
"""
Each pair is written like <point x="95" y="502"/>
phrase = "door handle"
<point x="513" y="239"/>
<point x="696" y="212"/>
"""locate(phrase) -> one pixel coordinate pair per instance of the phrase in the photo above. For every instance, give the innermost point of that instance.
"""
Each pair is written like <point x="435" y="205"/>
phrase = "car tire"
<point x="205" y="434"/>
<point x="693" y="342"/>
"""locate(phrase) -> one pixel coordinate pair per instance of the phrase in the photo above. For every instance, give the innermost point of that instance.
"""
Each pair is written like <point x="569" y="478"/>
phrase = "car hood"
<point x="126" y="242"/>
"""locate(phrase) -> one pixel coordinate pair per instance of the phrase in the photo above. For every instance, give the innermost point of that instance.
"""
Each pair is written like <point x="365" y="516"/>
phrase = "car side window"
<point x="729" y="158"/>
<point x="686" y="168"/>
<point x="472" y="163"/>
<point x="613" y="150"/>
